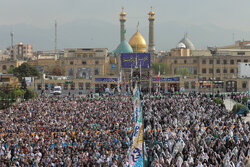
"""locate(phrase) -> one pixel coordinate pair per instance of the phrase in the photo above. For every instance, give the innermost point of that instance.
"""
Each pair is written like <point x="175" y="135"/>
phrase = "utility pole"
<point x="213" y="75"/>
<point x="55" y="37"/>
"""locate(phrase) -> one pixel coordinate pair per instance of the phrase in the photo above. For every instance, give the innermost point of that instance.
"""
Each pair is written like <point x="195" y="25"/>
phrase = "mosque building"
<point x="137" y="42"/>
<point x="135" y="49"/>
<point x="186" y="43"/>
<point x="95" y="69"/>
<point x="133" y="60"/>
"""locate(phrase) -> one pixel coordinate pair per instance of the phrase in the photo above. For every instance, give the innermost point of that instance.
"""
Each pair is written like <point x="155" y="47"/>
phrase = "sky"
<point x="98" y="21"/>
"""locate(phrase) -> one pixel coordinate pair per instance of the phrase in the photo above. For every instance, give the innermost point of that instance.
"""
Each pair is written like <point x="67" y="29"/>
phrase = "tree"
<point x="244" y="100"/>
<point x="240" y="109"/>
<point x="19" y="92"/>
<point x="7" y="96"/>
<point x="57" y="71"/>
<point x="10" y="70"/>
<point x="218" y="100"/>
<point x="164" y="68"/>
<point x="183" y="72"/>
<point x="25" y="70"/>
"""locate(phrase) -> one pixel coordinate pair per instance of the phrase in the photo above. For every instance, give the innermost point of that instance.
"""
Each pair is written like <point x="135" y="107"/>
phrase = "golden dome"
<point x="138" y="43"/>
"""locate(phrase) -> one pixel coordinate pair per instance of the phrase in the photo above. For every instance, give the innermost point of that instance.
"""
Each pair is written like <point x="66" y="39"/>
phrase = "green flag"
<point x="124" y="31"/>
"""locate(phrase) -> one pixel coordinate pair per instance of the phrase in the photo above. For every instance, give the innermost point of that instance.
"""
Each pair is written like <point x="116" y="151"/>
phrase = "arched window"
<point x="46" y="87"/>
<point x="96" y="71"/>
<point x="71" y="72"/>
<point x="4" y="67"/>
<point x="244" y="85"/>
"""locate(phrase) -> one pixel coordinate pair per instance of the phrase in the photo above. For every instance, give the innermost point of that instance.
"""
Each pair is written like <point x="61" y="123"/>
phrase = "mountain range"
<point x="98" y="33"/>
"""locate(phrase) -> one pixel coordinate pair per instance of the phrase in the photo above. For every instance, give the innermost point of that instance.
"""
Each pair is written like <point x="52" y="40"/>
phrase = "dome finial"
<point x="151" y="13"/>
<point x="137" y="27"/>
<point x="123" y="14"/>
<point x="187" y="42"/>
<point x="185" y="34"/>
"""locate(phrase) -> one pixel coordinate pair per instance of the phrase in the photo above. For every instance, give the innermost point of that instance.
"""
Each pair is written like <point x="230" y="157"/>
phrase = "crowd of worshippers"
<point x="63" y="131"/>
<point x="187" y="131"/>
<point x="239" y="97"/>
<point x="179" y="131"/>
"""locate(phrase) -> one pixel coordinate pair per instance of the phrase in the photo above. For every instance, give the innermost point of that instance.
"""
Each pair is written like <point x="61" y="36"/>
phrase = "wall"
<point x="5" y="65"/>
<point x="244" y="70"/>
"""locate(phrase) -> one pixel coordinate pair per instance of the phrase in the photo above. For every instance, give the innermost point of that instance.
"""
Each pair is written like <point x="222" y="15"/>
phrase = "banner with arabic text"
<point x="129" y="60"/>
<point x="136" y="151"/>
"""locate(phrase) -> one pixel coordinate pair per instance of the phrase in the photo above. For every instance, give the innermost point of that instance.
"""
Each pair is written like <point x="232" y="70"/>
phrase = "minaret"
<point x="151" y="43"/>
<point x="122" y="20"/>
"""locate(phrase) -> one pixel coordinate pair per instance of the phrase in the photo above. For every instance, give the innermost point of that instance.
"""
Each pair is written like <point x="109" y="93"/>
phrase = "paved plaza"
<point x="229" y="103"/>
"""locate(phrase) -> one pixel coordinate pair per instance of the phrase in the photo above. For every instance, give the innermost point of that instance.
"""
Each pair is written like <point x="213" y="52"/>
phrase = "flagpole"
<point x="140" y="77"/>
<point x="140" y="108"/>
<point x="131" y="77"/>
<point x="159" y="77"/>
<point x="143" y="153"/>
<point x="120" y="82"/>
<point x="150" y="80"/>
<point x="124" y="84"/>
<point x="138" y="135"/>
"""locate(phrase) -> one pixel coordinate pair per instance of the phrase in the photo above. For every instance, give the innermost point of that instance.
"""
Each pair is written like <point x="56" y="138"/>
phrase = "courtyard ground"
<point x="229" y="103"/>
